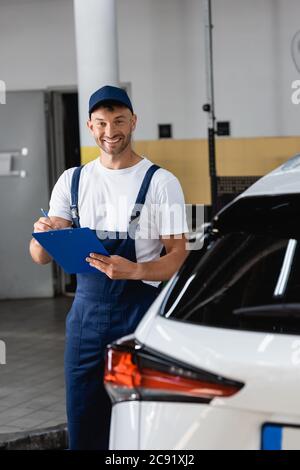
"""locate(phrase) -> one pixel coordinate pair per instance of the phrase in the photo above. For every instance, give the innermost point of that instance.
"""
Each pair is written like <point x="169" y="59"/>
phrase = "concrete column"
<point x="97" y="58"/>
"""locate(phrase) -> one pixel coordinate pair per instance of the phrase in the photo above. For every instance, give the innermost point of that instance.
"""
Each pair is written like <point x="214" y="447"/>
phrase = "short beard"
<point x="119" y="150"/>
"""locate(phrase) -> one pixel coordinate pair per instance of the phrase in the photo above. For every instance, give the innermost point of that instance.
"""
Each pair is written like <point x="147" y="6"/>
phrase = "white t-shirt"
<point x="106" y="198"/>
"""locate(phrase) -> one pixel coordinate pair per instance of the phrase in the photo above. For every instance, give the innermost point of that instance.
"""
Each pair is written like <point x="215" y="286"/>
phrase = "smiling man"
<point x="112" y="128"/>
<point x="138" y="212"/>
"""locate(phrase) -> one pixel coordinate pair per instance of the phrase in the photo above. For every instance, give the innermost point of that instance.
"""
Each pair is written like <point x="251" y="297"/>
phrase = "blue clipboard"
<point x="69" y="247"/>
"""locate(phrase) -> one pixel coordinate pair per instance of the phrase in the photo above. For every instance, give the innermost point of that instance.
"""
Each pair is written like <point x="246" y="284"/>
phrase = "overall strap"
<point x="140" y="200"/>
<point x="74" y="196"/>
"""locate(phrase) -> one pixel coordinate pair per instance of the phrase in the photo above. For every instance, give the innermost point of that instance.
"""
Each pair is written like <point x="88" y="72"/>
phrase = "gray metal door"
<point x="22" y="125"/>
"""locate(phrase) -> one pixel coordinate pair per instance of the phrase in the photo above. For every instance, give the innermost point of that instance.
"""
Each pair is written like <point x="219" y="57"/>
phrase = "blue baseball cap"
<point x="109" y="93"/>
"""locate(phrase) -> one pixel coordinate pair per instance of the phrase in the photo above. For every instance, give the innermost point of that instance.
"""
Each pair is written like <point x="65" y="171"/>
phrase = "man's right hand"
<point x="44" y="224"/>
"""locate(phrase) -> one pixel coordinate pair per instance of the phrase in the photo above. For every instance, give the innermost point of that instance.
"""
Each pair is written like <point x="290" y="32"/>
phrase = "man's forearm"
<point x="161" y="269"/>
<point x="38" y="254"/>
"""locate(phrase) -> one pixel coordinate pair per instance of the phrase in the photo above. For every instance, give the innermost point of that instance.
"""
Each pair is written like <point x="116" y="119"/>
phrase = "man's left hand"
<point x="115" y="267"/>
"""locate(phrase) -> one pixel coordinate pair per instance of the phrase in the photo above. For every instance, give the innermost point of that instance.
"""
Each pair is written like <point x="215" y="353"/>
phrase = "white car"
<point x="215" y="362"/>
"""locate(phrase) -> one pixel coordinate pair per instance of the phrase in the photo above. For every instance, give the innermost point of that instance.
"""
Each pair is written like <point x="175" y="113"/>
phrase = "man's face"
<point x="112" y="129"/>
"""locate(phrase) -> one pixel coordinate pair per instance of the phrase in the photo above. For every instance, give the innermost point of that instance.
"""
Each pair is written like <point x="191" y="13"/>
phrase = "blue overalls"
<point x="103" y="310"/>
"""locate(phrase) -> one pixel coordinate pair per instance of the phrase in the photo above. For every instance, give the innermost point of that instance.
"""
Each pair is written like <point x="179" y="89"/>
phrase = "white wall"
<point x="37" y="44"/>
<point x="289" y="114"/>
<point x="245" y="65"/>
<point x="252" y="64"/>
<point x="154" y="55"/>
<point x="254" y="67"/>
<point x="161" y="50"/>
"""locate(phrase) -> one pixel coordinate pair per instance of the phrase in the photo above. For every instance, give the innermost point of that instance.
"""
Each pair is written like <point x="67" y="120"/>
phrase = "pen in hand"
<point x="44" y="212"/>
<point x="42" y="225"/>
<point x="52" y="225"/>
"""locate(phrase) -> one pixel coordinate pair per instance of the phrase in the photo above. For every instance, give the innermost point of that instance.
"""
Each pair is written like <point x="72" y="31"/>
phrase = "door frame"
<point x="53" y="99"/>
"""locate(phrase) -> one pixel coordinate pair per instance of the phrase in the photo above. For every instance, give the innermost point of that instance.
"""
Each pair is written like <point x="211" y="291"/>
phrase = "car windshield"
<point x="242" y="280"/>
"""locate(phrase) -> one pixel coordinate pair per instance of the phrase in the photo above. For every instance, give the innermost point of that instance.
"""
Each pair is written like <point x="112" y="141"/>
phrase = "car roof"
<point x="283" y="180"/>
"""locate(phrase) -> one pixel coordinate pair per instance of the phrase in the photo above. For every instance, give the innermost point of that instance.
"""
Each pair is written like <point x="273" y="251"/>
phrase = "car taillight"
<point x="135" y="373"/>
